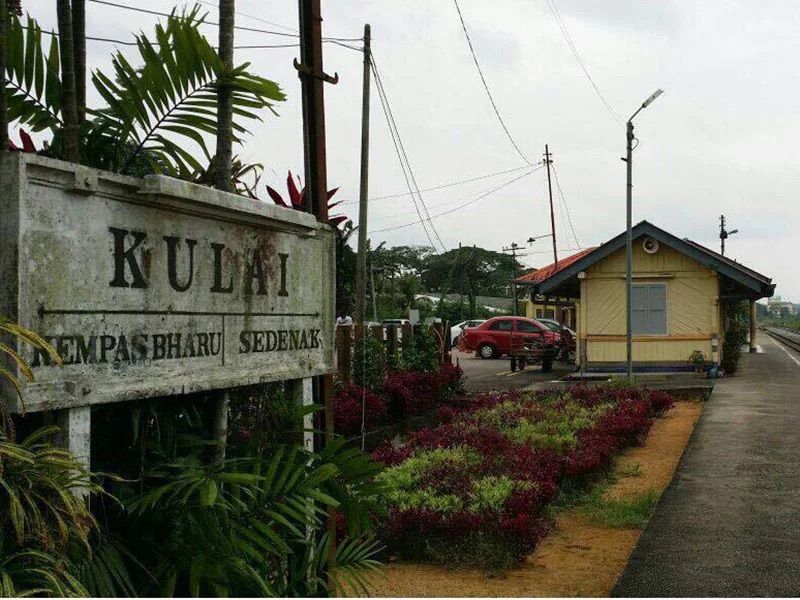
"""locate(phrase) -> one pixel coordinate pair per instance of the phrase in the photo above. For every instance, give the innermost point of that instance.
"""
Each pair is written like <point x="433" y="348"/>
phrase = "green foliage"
<point x="422" y="355"/>
<point x="482" y="271"/>
<point x="158" y="114"/>
<point x="735" y="336"/>
<point x="490" y="493"/>
<point x="170" y="100"/>
<point x="369" y="362"/>
<point x="33" y="78"/>
<point x="454" y="312"/>
<point x="29" y="337"/>
<point x="626" y="513"/>
<point x="43" y="525"/>
<point x="697" y="358"/>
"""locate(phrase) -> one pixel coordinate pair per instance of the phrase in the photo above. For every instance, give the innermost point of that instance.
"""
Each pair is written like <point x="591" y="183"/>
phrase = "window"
<point x="649" y="308"/>
<point x="538" y="313"/>
<point x="550" y="313"/>
<point x="527" y="327"/>
<point x="504" y="325"/>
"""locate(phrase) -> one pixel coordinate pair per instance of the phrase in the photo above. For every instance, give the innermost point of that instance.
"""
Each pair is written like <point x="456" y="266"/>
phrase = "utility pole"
<point x="547" y="161"/>
<point x="723" y="234"/>
<point x="361" y="272"/>
<point x="312" y="79"/>
<point x="513" y="249"/>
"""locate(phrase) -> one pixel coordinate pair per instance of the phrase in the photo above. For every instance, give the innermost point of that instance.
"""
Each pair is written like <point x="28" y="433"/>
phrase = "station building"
<point x="683" y="297"/>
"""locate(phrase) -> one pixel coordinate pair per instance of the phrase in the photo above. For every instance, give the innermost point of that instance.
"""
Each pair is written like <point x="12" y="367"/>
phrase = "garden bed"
<point x="583" y="555"/>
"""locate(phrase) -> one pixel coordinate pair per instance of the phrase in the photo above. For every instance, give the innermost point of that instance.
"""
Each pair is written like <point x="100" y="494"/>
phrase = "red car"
<point x="496" y="336"/>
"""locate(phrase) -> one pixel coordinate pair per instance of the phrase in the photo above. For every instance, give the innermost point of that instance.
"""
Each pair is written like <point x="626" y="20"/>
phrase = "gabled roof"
<point x="758" y="285"/>
<point x="545" y="272"/>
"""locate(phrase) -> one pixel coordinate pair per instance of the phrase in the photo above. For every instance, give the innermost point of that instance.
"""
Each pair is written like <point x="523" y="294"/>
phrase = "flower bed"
<point x="472" y="491"/>
<point x="402" y="394"/>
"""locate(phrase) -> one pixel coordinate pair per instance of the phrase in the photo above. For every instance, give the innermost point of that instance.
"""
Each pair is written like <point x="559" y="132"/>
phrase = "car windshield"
<point x="552" y="326"/>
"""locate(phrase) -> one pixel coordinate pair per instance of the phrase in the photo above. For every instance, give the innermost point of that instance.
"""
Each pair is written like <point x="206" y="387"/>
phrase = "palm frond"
<point x="32" y="78"/>
<point x="167" y="106"/>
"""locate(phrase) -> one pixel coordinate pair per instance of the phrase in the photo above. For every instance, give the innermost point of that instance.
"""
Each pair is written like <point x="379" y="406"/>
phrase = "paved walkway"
<point x="729" y="523"/>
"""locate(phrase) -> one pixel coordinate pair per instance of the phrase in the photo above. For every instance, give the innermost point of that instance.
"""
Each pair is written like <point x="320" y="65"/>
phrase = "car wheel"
<point x="487" y="351"/>
<point x="456" y="341"/>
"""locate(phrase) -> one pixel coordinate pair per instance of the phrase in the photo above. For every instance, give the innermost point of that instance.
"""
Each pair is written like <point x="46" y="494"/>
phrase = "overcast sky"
<point x="721" y="140"/>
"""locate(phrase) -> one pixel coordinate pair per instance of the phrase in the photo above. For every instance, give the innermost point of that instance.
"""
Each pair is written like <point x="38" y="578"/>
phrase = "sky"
<point x="720" y="140"/>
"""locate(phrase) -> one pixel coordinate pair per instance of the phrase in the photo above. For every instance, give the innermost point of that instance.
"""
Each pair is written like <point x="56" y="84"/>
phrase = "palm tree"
<point x="79" y="56"/>
<point x="3" y="101"/>
<point x="69" y="108"/>
<point x="225" y="98"/>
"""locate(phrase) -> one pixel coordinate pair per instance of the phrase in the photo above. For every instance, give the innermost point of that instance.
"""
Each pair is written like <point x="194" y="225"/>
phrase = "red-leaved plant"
<point x="297" y="199"/>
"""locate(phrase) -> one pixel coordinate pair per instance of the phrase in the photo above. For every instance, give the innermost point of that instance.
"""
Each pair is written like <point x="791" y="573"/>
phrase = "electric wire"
<point x="408" y="172"/>
<point x="452" y="210"/>
<point x="379" y="82"/>
<point x="244" y="47"/>
<point x="567" y="38"/>
<point x="486" y="87"/>
<point x="445" y="185"/>
<point x="293" y="30"/>
<point x="240" y="27"/>
<point x="566" y="206"/>
<point x="440" y="204"/>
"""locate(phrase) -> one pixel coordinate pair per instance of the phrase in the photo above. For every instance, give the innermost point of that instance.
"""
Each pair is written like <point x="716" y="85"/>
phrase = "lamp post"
<point x="629" y="234"/>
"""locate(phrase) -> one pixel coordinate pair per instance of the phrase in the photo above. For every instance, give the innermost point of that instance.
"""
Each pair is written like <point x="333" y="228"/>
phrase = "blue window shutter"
<point x="657" y="308"/>
<point x="639" y="299"/>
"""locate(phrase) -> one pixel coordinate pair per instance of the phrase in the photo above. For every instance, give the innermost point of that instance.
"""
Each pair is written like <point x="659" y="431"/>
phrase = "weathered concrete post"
<point x="752" y="325"/>
<point x="221" y="403"/>
<point x="302" y="394"/>
<point x="75" y="435"/>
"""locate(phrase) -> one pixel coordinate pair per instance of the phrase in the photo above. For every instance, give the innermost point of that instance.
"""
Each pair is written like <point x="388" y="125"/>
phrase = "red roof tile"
<point x="545" y="272"/>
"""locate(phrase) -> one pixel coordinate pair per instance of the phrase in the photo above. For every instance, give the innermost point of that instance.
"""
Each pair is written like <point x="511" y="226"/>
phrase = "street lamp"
<point x="629" y="234"/>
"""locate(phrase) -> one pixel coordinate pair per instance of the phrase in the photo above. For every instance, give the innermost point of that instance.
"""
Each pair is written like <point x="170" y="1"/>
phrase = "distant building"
<point x="682" y="295"/>
<point x="780" y="309"/>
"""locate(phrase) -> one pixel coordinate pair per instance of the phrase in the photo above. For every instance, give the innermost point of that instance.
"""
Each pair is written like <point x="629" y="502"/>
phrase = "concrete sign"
<point x="156" y="287"/>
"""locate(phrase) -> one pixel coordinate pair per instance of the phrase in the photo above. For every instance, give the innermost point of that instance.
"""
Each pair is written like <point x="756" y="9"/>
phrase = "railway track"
<point x="788" y="338"/>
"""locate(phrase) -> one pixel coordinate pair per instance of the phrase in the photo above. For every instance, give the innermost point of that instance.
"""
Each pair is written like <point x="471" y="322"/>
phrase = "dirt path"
<point x="577" y="558"/>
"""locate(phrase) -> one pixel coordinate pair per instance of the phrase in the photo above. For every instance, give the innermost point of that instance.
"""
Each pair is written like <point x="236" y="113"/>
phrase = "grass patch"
<point x="627" y="513"/>
<point x="632" y="470"/>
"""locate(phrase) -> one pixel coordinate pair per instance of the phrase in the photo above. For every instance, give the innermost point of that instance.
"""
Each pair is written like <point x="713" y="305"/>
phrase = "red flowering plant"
<point x="473" y="490"/>
<point x="298" y="198"/>
<point x="347" y="409"/>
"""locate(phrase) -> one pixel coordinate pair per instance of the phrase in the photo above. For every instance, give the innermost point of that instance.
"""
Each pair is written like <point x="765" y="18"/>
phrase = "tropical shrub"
<point x="45" y="529"/>
<point x="369" y="363"/>
<point x="347" y="405"/>
<point x="156" y="114"/>
<point x="473" y="490"/>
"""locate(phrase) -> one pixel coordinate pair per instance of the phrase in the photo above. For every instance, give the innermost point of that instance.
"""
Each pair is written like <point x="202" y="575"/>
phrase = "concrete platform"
<point x="729" y="523"/>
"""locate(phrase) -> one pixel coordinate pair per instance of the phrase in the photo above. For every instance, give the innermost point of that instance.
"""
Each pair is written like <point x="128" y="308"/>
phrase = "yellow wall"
<point x="692" y="307"/>
<point x="531" y="308"/>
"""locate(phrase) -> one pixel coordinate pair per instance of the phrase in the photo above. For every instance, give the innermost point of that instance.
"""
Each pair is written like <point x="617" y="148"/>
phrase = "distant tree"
<point x="481" y="271"/>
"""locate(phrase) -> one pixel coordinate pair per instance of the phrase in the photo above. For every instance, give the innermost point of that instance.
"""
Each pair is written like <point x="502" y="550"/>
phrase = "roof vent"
<point x="650" y="245"/>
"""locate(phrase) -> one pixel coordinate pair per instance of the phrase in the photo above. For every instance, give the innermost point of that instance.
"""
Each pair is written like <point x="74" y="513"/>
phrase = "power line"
<point x="403" y="157"/>
<point x="245" y="47"/>
<point x="563" y="27"/>
<point x="486" y="86"/>
<point x="293" y="30"/>
<point x="566" y="206"/>
<point x="444" y="185"/>
<point x="440" y="204"/>
<point x="240" y="27"/>
<point x="457" y="208"/>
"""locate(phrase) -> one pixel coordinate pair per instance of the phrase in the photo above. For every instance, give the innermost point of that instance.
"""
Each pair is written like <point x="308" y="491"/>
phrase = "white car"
<point x="457" y="330"/>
